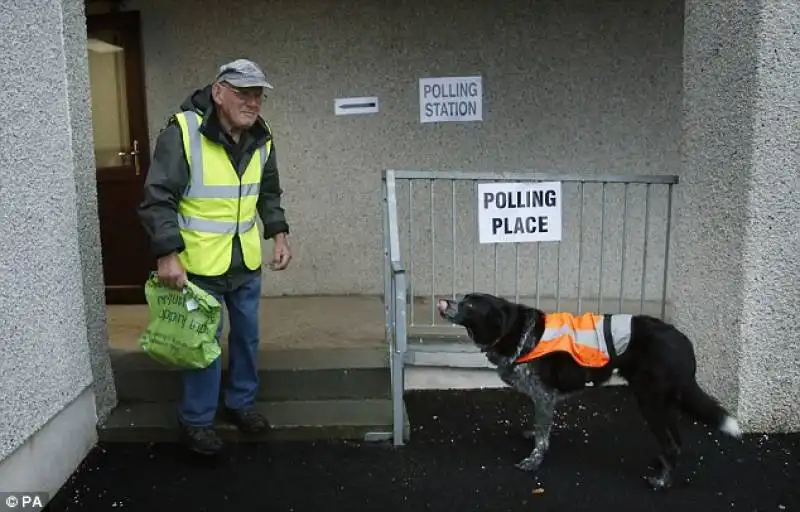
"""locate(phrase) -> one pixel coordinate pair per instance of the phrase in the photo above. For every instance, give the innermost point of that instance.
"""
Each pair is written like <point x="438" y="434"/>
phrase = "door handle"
<point x="134" y="155"/>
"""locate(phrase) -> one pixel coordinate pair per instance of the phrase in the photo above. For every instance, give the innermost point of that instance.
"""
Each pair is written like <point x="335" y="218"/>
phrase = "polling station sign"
<point x="450" y="99"/>
<point x="519" y="212"/>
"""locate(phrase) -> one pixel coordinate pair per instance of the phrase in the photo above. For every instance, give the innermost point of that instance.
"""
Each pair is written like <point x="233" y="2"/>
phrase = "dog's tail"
<point x="706" y="409"/>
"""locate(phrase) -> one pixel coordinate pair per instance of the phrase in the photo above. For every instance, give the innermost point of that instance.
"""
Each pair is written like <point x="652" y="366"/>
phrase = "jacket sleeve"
<point x="269" y="200"/>
<point x="166" y="180"/>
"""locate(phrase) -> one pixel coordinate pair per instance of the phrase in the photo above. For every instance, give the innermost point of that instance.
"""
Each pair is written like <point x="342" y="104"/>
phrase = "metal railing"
<point x="394" y="304"/>
<point x="431" y="250"/>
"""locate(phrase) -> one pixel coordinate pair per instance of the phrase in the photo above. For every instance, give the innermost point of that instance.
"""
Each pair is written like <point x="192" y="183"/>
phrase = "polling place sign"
<point x="519" y="212"/>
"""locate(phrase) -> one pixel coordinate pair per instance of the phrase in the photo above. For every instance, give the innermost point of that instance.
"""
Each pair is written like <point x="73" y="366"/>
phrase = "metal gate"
<point x="613" y="256"/>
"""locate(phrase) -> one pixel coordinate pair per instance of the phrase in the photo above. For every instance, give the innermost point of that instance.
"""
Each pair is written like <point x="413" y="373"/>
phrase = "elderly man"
<point x="214" y="170"/>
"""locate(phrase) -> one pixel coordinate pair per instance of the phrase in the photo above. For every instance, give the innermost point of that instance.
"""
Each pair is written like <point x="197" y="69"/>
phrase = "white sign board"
<point x="352" y="106"/>
<point x="519" y="212"/>
<point x="450" y="99"/>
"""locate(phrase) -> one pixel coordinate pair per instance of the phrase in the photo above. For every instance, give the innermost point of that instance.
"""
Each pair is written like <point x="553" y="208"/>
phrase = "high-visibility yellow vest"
<point x="217" y="204"/>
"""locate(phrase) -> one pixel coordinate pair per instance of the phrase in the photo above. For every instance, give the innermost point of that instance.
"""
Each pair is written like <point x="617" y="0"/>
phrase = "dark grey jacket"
<point x="168" y="177"/>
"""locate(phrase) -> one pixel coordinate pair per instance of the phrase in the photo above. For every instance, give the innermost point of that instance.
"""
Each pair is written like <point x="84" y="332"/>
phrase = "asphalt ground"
<point x="460" y="457"/>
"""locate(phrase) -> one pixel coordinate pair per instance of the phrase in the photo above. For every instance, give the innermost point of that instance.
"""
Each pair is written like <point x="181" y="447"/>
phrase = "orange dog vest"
<point x="584" y="337"/>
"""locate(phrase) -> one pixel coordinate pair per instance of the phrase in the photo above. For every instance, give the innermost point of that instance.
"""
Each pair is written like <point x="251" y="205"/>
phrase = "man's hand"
<point x="282" y="253"/>
<point x="171" y="271"/>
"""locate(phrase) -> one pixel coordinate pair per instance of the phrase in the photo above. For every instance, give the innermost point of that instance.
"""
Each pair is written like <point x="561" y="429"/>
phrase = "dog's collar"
<point x="492" y="344"/>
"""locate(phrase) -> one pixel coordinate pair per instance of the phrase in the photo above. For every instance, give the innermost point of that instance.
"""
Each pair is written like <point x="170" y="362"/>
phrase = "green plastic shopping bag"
<point x="183" y="325"/>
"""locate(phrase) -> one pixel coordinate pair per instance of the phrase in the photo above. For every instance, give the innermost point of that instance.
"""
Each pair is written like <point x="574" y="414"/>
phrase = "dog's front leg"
<point x="544" y="409"/>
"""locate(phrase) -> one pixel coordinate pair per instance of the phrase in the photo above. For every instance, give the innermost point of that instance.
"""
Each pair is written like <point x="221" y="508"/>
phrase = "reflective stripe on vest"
<point x="215" y="226"/>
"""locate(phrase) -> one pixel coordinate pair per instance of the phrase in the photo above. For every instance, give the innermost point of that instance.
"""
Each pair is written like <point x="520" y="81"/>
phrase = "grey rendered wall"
<point x="738" y="274"/>
<point x="91" y="259"/>
<point x="569" y="86"/>
<point x="52" y="327"/>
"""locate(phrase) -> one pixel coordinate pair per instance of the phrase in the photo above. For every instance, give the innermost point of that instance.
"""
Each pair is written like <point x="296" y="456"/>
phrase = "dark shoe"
<point x="203" y="440"/>
<point x="247" y="420"/>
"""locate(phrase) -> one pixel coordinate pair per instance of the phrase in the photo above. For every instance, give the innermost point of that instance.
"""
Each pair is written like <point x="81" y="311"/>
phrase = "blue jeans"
<point x="201" y="387"/>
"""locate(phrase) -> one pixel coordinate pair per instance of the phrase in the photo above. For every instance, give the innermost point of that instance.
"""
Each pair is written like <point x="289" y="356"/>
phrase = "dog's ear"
<point x="509" y="314"/>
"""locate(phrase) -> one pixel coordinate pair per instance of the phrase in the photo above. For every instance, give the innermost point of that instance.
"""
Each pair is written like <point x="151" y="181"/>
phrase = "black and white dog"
<point x="550" y="356"/>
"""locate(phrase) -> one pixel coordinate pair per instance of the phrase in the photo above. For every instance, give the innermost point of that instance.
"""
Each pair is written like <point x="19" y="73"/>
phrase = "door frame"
<point x="129" y="23"/>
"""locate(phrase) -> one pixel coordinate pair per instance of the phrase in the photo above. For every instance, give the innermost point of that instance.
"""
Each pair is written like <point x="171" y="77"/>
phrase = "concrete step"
<point x="369" y="420"/>
<point x="285" y="375"/>
<point x="445" y="350"/>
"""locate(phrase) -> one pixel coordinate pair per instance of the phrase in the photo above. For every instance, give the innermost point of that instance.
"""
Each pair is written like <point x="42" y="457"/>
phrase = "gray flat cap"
<point x="243" y="73"/>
